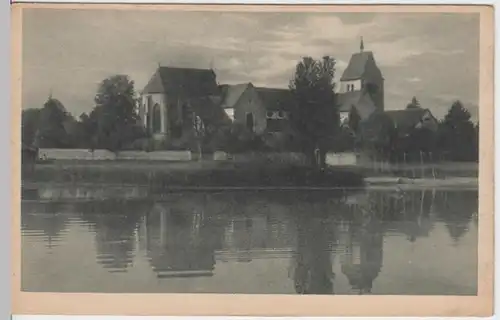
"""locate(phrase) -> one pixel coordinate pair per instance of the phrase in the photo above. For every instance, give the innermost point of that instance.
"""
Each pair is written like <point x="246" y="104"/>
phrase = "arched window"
<point x="156" y="118"/>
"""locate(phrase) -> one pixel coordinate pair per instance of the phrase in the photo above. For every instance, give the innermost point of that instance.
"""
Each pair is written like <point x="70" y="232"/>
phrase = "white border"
<point x="371" y="2"/>
<point x="5" y="131"/>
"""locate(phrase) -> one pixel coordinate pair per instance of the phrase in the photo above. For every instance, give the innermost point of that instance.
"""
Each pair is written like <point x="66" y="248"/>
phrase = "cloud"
<point x="71" y="51"/>
<point x="413" y="79"/>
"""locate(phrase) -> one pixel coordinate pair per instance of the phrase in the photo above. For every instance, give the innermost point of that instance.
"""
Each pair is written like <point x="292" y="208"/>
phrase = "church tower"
<point x="362" y="75"/>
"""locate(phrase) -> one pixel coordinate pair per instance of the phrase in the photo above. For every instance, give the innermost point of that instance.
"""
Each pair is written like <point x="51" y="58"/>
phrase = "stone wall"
<point x="75" y="154"/>
<point x="341" y="159"/>
<point x="84" y="154"/>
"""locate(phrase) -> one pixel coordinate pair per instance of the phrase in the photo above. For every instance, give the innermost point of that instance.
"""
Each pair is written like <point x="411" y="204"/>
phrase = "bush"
<point x="236" y="139"/>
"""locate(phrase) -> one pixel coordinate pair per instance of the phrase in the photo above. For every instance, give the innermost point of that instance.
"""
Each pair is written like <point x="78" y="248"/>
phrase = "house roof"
<point x="231" y="94"/>
<point x="276" y="99"/>
<point x="360" y="100"/>
<point x="183" y="82"/>
<point x="406" y="118"/>
<point x="361" y="65"/>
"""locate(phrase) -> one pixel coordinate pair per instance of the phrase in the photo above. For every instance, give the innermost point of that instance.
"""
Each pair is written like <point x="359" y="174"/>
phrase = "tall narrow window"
<point x="149" y="113"/>
<point x="249" y="121"/>
<point x="156" y="118"/>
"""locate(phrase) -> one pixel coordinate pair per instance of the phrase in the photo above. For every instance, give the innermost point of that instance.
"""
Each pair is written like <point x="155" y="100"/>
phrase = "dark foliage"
<point x="236" y="138"/>
<point x="51" y="131"/>
<point x="226" y="174"/>
<point x="114" y="121"/>
<point x="354" y="119"/>
<point x="458" y="137"/>
<point x="315" y="116"/>
<point x="29" y="123"/>
<point x="413" y="104"/>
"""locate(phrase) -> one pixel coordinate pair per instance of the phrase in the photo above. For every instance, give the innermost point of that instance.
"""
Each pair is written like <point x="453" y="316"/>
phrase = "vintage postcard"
<point x="252" y="160"/>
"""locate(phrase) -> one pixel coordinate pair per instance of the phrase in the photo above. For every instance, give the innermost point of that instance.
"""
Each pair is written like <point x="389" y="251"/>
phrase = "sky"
<point x="433" y="56"/>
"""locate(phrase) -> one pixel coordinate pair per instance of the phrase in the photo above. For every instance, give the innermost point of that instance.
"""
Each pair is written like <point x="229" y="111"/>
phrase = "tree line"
<point x="114" y="124"/>
<point x="454" y="138"/>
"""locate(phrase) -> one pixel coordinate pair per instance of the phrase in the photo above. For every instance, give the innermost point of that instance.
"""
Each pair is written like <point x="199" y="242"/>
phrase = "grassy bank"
<point x="192" y="174"/>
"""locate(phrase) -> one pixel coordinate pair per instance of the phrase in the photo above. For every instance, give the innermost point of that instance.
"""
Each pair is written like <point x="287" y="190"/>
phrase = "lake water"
<point x="360" y="242"/>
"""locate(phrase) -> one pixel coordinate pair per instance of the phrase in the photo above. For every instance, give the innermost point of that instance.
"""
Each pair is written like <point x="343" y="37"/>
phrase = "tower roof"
<point x="361" y="65"/>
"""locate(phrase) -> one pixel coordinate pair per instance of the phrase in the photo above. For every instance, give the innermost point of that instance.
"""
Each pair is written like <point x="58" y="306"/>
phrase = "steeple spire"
<point x="361" y="45"/>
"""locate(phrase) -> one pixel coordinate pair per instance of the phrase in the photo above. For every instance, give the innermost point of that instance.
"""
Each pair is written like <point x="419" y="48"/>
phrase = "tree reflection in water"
<point x="49" y="221"/>
<point x="114" y="224"/>
<point x="183" y="235"/>
<point x="312" y="272"/>
<point x="456" y="209"/>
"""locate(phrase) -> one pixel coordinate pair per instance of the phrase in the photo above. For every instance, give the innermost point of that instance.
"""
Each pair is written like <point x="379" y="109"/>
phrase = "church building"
<point x="172" y="93"/>
<point x="361" y="87"/>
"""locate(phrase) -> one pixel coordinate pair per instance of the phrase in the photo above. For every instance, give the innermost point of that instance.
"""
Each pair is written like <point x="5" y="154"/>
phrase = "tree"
<point x="457" y="135"/>
<point x="413" y="104"/>
<point x="354" y="119"/>
<point x="51" y="130"/>
<point x="315" y="117"/>
<point x="29" y="123"/>
<point x="114" y="120"/>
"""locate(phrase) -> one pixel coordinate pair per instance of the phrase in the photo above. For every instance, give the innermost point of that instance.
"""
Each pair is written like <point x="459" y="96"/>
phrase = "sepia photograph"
<point x="265" y="152"/>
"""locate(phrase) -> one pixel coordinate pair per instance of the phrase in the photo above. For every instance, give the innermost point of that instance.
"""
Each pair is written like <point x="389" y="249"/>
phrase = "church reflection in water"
<point x="188" y="235"/>
<point x="179" y="244"/>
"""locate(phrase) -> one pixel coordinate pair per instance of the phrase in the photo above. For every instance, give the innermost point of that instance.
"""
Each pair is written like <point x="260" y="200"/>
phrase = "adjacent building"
<point x="407" y="120"/>
<point x="261" y="110"/>
<point x="244" y="106"/>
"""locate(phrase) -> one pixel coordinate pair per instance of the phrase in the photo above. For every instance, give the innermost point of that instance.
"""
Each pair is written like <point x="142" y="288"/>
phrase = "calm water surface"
<point x="378" y="242"/>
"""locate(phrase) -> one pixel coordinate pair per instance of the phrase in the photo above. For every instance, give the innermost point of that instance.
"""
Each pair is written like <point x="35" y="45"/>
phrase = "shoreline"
<point x="127" y="181"/>
<point x="69" y="192"/>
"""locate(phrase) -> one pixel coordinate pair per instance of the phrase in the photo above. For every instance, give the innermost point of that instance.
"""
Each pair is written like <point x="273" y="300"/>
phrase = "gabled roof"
<point x="183" y="82"/>
<point x="276" y="99"/>
<point x="358" y="99"/>
<point x="406" y="118"/>
<point x="361" y="65"/>
<point x="210" y="112"/>
<point x="231" y="94"/>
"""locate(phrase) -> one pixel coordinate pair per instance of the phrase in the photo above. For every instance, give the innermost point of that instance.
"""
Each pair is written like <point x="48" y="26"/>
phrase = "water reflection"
<point x="334" y="243"/>
<point x="179" y="243"/>
<point x="457" y="210"/>
<point x="48" y="222"/>
<point x="363" y="242"/>
<point x="114" y="225"/>
<point x="312" y="272"/>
